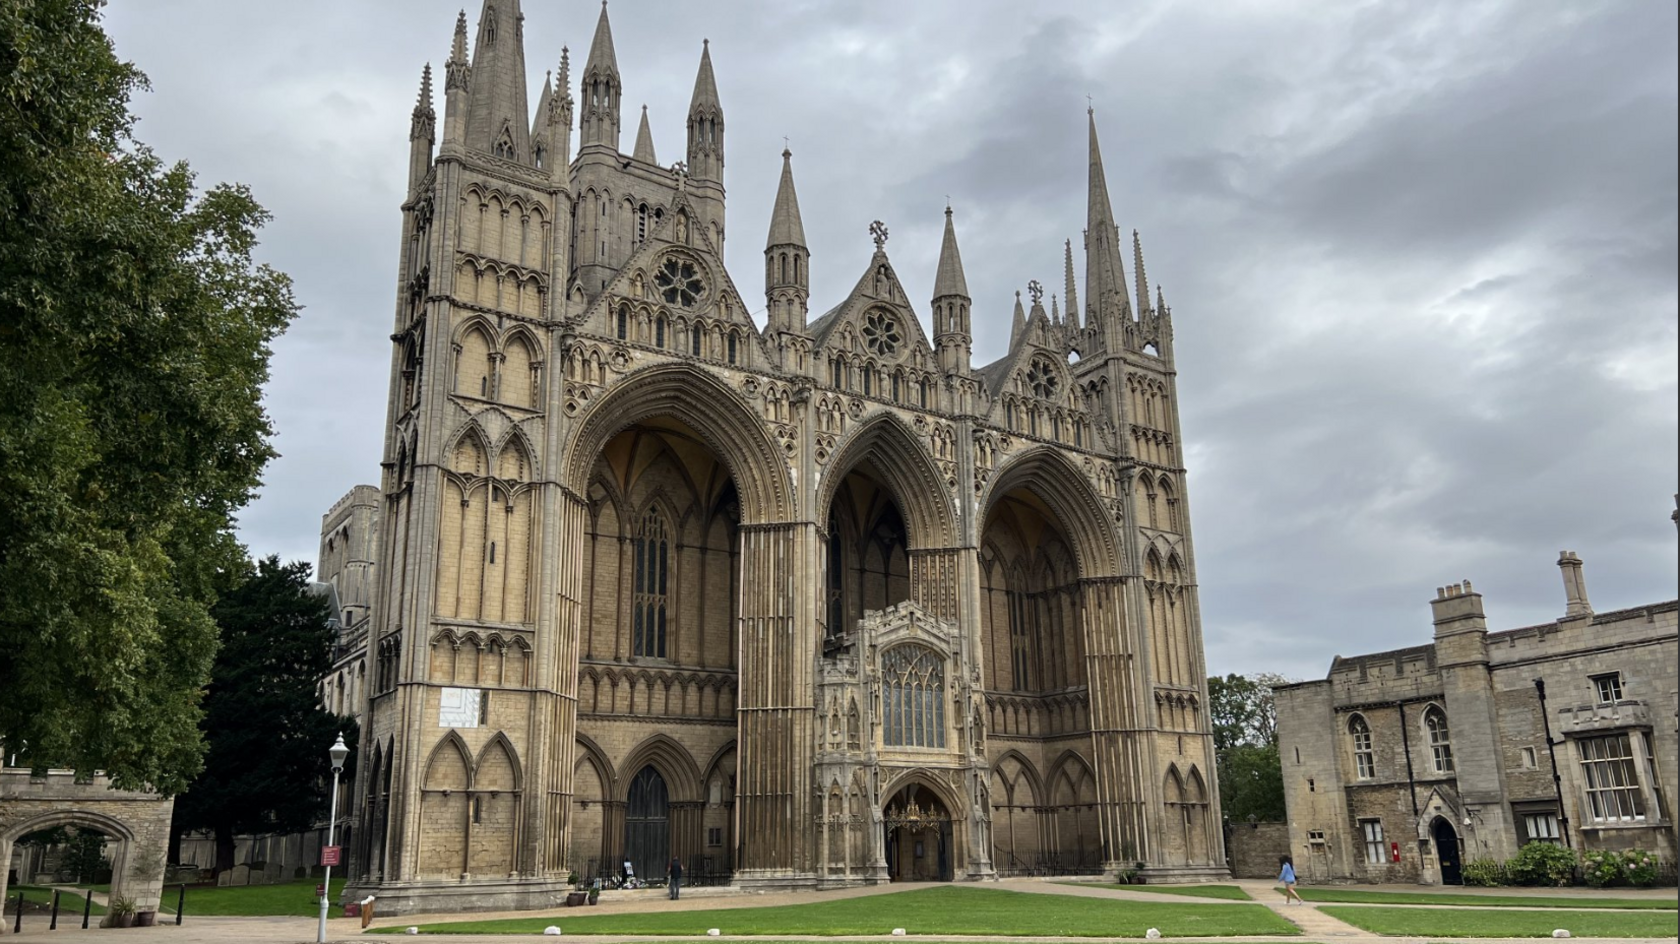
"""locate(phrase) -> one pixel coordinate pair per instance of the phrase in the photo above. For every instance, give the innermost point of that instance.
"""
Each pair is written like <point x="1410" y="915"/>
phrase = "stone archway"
<point x="918" y="836"/>
<point x="137" y="821"/>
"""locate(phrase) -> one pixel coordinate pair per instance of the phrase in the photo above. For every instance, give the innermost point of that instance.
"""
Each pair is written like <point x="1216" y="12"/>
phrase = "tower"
<point x="705" y="149"/>
<point x="953" y="336"/>
<point x="787" y="261"/>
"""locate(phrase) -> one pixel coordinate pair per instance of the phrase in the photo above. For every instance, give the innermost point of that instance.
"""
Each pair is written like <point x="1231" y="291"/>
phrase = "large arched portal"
<point x="919" y="838"/>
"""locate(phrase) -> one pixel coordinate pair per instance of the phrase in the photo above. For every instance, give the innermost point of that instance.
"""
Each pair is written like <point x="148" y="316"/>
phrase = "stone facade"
<point x="816" y="603"/>
<point x="135" y="822"/>
<point x="1403" y="765"/>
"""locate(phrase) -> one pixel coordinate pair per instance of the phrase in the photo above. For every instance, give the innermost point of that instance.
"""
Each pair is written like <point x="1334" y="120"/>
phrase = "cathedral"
<point x="802" y="601"/>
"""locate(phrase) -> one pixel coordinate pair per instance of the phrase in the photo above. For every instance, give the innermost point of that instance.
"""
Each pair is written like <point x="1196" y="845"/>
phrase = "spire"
<point x="458" y="50"/>
<point x="496" y="108"/>
<point x="705" y="122"/>
<point x="1160" y="301"/>
<point x="601" y="88"/>
<point x="1017" y="327"/>
<point x="644" y="142"/>
<point x="1055" y="310"/>
<point x="457" y="77"/>
<point x="786" y="228"/>
<point x="420" y="133"/>
<point x="545" y="103"/>
<point x="949" y="280"/>
<point x="1072" y="287"/>
<point x="1105" y="274"/>
<point x="1137" y="272"/>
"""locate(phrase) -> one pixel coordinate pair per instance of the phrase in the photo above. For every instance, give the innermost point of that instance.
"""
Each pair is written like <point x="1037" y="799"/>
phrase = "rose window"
<point x="880" y="333"/>
<point x="678" y="283"/>
<point x="1041" y="378"/>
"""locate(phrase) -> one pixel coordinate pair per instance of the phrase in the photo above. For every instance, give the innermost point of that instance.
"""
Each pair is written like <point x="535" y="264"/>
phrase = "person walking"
<point x="1286" y="875"/>
<point x="674" y="876"/>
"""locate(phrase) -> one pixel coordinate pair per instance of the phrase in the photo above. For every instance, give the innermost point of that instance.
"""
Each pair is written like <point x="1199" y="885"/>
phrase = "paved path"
<point x="1315" y="925"/>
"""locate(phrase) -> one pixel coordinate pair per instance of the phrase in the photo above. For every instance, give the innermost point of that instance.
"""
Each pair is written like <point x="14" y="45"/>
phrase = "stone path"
<point x="1315" y="925"/>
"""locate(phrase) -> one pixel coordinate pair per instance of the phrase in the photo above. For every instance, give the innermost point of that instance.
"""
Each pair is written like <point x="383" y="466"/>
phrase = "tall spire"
<point x="545" y="102"/>
<point x="496" y="108"/>
<point x="705" y="122"/>
<point x="953" y="336"/>
<point x="1105" y="274"/>
<point x="1137" y="272"/>
<point x="1072" y="286"/>
<point x="949" y="280"/>
<point x="1017" y="326"/>
<point x="601" y="88"/>
<point x="787" y="260"/>
<point x="644" y="142"/>
<point x="421" y="131"/>
<point x="457" y="76"/>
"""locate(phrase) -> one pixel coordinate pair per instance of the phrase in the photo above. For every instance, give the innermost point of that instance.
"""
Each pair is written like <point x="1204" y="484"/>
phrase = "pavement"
<point x="1315" y="925"/>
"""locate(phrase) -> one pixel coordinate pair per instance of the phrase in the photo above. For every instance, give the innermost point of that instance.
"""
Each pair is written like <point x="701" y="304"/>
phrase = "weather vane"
<point x="1036" y="290"/>
<point x="878" y="230"/>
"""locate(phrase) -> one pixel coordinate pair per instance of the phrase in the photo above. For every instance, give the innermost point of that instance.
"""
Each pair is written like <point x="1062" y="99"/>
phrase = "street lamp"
<point x="338" y="752"/>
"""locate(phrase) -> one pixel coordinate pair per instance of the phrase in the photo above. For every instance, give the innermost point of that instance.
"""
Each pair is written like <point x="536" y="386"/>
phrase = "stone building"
<point x="813" y="603"/>
<point x="1401" y="766"/>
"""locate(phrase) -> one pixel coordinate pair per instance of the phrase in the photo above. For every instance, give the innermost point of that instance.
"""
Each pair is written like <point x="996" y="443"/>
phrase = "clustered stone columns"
<point x="1111" y="667"/>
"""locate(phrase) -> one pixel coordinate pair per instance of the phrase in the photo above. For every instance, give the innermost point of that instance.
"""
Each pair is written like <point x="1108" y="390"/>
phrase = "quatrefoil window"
<point x="678" y="283"/>
<point x="1041" y="378"/>
<point x="881" y="334"/>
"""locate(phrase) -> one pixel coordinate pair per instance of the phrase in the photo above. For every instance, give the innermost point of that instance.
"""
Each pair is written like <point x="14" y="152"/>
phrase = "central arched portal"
<point x="647" y="824"/>
<point x="918" y="842"/>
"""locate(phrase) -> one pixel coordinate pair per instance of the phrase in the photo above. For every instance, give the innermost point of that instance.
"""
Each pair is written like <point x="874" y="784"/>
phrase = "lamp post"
<point x="338" y="752"/>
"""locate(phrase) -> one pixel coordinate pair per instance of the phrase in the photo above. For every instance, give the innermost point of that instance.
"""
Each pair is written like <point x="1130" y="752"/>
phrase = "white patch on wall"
<point x="461" y="708"/>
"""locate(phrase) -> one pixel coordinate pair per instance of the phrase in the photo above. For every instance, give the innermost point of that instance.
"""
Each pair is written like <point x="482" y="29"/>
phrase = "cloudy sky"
<point x="1421" y="255"/>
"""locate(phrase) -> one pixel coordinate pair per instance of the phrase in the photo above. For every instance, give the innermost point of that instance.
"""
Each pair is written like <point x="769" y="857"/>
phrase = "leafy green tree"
<point x="134" y="342"/>
<point x="1244" y="720"/>
<point x="268" y="734"/>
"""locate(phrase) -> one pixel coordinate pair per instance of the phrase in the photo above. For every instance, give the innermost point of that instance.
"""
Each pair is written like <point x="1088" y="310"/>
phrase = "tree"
<point x="134" y="342"/>
<point x="1244" y="720"/>
<point x="267" y="731"/>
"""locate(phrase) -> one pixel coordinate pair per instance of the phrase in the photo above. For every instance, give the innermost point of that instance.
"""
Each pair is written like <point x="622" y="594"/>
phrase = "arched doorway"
<point x="1447" y="852"/>
<point x="918" y="837"/>
<point x="647" y="824"/>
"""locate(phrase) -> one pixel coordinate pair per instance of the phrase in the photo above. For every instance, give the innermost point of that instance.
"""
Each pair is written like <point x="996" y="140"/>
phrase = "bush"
<point x="1542" y="863"/>
<point x="1484" y="873"/>
<point x="1640" y="868"/>
<point x="1602" y="869"/>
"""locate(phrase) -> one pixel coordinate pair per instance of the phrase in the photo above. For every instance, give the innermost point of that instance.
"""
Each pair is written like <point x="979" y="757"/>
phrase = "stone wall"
<point x="1255" y="847"/>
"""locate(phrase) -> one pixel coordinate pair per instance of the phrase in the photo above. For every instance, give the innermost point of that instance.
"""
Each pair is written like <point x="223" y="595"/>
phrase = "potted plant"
<point x="595" y="891"/>
<point x="576" y="896"/>
<point x="120" y="911"/>
<point x="1137" y="874"/>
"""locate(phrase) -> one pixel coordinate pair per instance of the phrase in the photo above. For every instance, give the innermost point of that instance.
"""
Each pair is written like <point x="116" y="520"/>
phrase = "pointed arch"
<point x="916" y="484"/>
<point x="1051" y="476"/>
<point x="498" y="766"/>
<point x="521" y="353"/>
<point x="666" y="755"/>
<point x="513" y="457"/>
<point x="449" y="767"/>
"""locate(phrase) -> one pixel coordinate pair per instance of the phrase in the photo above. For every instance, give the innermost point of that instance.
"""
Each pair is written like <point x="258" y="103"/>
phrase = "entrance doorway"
<point x="1446" y="851"/>
<point x="647" y="825"/>
<point x="918" y="837"/>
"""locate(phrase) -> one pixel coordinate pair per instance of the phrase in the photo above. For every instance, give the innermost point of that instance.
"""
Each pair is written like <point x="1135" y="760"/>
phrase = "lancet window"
<point x="652" y="575"/>
<point x="913" y="692"/>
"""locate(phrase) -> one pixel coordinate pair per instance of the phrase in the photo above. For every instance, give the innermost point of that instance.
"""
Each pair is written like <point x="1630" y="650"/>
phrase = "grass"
<point x="1488" y="922"/>
<point x="946" y="910"/>
<point x="68" y="903"/>
<point x="1361" y="897"/>
<point x="1225" y="892"/>
<point x="292" y="898"/>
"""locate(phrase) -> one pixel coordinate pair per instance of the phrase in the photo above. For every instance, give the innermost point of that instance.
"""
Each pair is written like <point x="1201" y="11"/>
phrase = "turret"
<point x="953" y="336"/>
<point x="644" y="142"/>
<point x="421" y="131"/>
<point x="705" y="123"/>
<point x="559" y="118"/>
<point x="457" y="78"/>
<point x="602" y="89"/>
<point x="496" y="109"/>
<point x="787" y="276"/>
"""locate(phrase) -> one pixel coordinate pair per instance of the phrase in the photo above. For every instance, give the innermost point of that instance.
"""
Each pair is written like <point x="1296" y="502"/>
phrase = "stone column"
<point x="1111" y="670"/>
<point x="555" y="714"/>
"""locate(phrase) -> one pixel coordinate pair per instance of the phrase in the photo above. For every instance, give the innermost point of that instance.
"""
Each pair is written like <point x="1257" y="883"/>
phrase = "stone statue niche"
<point x="901" y="770"/>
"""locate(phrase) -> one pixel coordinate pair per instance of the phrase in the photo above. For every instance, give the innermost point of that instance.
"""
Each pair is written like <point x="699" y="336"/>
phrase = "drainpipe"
<point x="1551" y="751"/>
<point x="1406" y="746"/>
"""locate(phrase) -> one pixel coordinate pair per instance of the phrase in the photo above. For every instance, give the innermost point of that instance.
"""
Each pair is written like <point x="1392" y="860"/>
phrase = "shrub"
<point x="1640" y="868"/>
<point x="1601" y="868"/>
<point x="1485" y="873"/>
<point x="1542" y="863"/>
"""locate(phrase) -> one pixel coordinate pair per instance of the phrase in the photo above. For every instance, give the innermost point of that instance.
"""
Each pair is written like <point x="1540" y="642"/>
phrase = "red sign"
<point x="320" y="891"/>
<point x="330" y="855"/>
<point x="1394" y="850"/>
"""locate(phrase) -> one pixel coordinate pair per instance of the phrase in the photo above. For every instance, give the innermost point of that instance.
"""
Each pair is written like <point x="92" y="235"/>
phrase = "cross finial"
<point x="1090" y="106"/>
<point x="878" y="230"/>
<point x="1036" y="290"/>
<point x="679" y="170"/>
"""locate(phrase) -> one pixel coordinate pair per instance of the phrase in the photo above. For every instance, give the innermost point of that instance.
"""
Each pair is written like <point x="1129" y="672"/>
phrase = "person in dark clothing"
<point x="674" y="876"/>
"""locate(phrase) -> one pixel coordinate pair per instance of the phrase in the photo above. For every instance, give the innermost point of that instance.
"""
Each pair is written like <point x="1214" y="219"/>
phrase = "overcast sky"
<point x="1421" y="255"/>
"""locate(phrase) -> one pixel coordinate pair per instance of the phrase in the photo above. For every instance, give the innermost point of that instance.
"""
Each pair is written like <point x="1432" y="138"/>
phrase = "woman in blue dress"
<point x="1286" y="875"/>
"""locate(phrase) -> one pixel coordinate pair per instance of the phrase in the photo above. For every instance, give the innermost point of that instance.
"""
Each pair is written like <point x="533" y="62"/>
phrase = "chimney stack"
<point x="1574" y="585"/>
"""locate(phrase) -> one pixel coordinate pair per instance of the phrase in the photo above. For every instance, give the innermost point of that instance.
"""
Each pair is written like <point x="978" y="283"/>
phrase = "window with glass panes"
<point x="1612" y="778"/>
<point x="1376" y="851"/>
<point x="913" y="696"/>
<point x="1609" y="688"/>
<point x="1364" y="759"/>
<point x="1540" y="827"/>
<point x="1440" y="739"/>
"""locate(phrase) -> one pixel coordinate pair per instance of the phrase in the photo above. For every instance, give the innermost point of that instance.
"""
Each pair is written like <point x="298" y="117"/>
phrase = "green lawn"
<point x="68" y="903"/>
<point x="1362" y="897"/>
<point x="1489" y="922"/>
<point x="292" y="898"/>
<point x="945" y="910"/>
<point x="1226" y="892"/>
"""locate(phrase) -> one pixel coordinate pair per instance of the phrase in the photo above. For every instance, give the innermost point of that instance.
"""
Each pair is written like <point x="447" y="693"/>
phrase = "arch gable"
<point x="916" y="484"/>
<point x="1051" y="476"/>
<point x="672" y="760"/>
<point x="592" y="754"/>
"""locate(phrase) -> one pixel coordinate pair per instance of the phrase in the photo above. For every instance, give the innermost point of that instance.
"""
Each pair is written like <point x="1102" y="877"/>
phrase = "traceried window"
<point x="1364" y="759"/>
<point x="1613" y="792"/>
<point x="1440" y="739"/>
<point x="652" y="567"/>
<point x="679" y="283"/>
<point x="913" y="696"/>
<point x="1041" y="379"/>
<point x="881" y="334"/>
<point x="1376" y="851"/>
